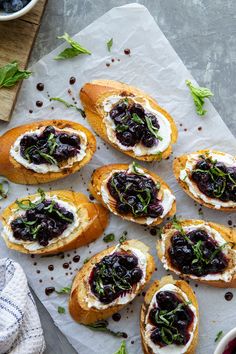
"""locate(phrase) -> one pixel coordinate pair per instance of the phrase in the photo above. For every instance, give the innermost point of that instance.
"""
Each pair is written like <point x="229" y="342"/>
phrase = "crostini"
<point x="45" y="151"/>
<point x="199" y="250"/>
<point x="169" y="318"/>
<point x="129" y="119"/>
<point x="52" y="222"/>
<point x="109" y="281"/>
<point x="209" y="177"/>
<point x="134" y="193"/>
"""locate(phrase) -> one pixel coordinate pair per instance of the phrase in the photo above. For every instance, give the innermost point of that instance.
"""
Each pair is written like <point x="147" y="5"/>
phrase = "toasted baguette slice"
<point x="80" y="292"/>
<point x="227" y="234"/>
<point x="93" y="220"/>
<point x="92" y="96"/>
<point x="179" y="164"/>
<point x="17" y="173"/>
<point x="103" y="173"/>
<point x="156" y="286"/>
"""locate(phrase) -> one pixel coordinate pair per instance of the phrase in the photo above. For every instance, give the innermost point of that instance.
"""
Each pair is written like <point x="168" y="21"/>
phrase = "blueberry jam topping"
<point x="50" y="147"/>
<point x="195" y="252"/>
<point x="171" y="318"/>
<point x="135" y="194"/>
<point x="43" y="220"/>
<point x="215" y="179"/>
<point x="133" y="125"/>
<point x="114" y="276"/>
<point x="231" y="347"/>
<point x="10" y="6"/>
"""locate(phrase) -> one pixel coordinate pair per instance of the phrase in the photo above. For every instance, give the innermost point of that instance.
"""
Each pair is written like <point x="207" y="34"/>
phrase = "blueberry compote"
<point x="114" y="276"/>
<point x="195" y="252"/>
<point x="231" y="347"/>
<point x="136" y="194"/>
<point x="50" y="147"/>
<point x="43" y="220"/>
<point x="172" y="319"/>
<point x="215" y="179"/>
<point x="134" y="125"/>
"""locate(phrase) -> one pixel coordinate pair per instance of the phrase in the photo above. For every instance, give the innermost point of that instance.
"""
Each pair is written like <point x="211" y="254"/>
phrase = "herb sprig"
<point x="74" y="50"/>
<point x="199" y="94"/>
<point x="122" y="349"/>
<point x="102" y="326"/>
<point x="10" y="74"/>
<point x="69" y="105"/>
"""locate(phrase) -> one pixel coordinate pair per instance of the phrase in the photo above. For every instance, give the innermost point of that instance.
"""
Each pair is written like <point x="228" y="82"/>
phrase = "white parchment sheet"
<point x="154" y="67"/>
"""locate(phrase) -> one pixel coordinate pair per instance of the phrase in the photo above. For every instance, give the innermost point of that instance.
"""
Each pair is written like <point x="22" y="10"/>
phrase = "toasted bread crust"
<point x="78" y="307"/>
<point x="181" y="284"/>
<point x="17" y="173"/>
<point x="100" y="174"/>
<point x="94" y="219"/>
<point x="227" y="233"/>
<point x="93" y="94"/>
<point x="179" y="164"/>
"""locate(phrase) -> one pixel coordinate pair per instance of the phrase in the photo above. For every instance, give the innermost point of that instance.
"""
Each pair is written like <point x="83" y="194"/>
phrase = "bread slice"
<point x="93" y="221"/>
<point x="102" y="173"/>
<point x="180" y="163"/>
<point x="80" y="294"/>
<point x="228" y="234"/>
<point x="17" y="173"/>
<point x="185" y="288"/>
<point x="92" y="96"/>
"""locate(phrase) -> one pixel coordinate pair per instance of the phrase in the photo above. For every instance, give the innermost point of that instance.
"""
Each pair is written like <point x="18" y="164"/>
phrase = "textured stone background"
<point x="202" y="32"/>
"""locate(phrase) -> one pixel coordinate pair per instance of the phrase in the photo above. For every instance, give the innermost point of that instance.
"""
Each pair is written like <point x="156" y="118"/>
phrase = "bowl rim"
<point x="225" y="340"/>
<point x="14" y="15"/>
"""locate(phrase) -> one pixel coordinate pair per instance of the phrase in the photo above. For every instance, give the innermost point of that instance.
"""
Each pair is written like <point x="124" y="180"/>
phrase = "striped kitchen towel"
<point x="20" y="327"/>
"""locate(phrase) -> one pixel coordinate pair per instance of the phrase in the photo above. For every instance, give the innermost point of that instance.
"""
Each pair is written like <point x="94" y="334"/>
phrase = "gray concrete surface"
<point x="202" y="32"/>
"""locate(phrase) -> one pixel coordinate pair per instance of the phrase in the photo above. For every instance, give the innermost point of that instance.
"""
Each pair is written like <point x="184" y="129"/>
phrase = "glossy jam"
<point x="215" y="179"/>
<point x="135" y="194"/>
<point x="49" y="147"/>
<point x="114" y="276"/>
<point x="231" y="347"/>
<point x="131" y="124"/>
<point x="196" y="253"/>
<point x="171" y="318"/>
<point x="42" y="223"/>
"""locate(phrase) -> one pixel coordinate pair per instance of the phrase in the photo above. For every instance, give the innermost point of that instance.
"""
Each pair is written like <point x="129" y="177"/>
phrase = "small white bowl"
<point x="13" y="15"/>
<point x="224" y="341"/>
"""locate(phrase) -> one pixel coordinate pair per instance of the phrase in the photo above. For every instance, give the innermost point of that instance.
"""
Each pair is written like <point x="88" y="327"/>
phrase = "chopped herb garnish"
<point x="137" y="119"/>
<point x="75" y="49"/>
<point x="86" y="260"/>
<point x="61" y="310"/>
<point x="109" y="238"/>
<point x="120" y="128"/>
<point x="218" y="336"/>
<point x="65" y="290"/>
<point x="153" y="129"/>
<point x="135" y="167"/>
<point x="123" y="237"/>
<point x="4" y="188"/>
<point x="68" y="105"/>
<point x="122" y="349"/>
<point x="109" y="44"/>
<point x="26" y="204"/>
<point x="102" y="326"/>
<point x="199" y="94"/>
<point x="10" y="74"/>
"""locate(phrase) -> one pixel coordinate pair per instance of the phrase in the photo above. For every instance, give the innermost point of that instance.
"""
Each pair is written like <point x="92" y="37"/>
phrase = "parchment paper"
<point x="154" y="67"/>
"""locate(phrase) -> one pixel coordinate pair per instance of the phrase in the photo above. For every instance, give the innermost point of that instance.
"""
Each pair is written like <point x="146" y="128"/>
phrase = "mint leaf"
<point x="109" y="238"/>
<point x="122" y="349"/>
<point x="76" y="48"/>
<point x="109" y="44"/>
<point x="123" y="237"/>
<point x="102" y="326"/>
<point x="65" y="290"/>
<point x="218" y="336"/>
<point x="199" y="94"/>
<point x="61" y="310"/>
<point x="10" y="74"/>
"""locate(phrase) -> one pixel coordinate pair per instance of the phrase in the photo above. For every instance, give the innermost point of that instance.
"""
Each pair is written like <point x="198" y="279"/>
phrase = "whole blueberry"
<point x="16" y="5"/>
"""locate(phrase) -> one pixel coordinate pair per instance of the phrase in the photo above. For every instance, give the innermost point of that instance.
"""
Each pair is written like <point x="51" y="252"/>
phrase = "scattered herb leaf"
<point x="65" y="290"/>
<point x="10" y="74"/>
<point x="4" y="188"/>
<point x="218" y="336"/>
<point x="137" y="119"/>
<point x="122" y="349"/>
<point x="76" y="48"/>
<point x="135" y="167"/>
<point x="86" y="260"/>
<point x="123" y="237"/>
<point x="102" y="326"/>
<point x="109" y="44"/>
<point x="153" y="129"/>
<point x="199" y="94"/>
<point x="26" y="204"/>
<point x="61" y="310"/>
<point x="68" y="105"/>
<point x="109" y="238"/>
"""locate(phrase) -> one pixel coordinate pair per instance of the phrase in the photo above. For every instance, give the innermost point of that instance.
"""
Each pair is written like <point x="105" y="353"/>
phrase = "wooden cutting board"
<point x="16" y="41"/>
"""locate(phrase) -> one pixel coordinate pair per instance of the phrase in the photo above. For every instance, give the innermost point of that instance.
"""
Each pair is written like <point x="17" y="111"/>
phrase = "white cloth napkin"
<point x="20" y="327"/>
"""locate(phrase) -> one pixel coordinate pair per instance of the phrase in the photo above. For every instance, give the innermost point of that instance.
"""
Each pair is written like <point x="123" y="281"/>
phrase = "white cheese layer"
<point x="227" y="159"/>
<point x="172" y="348"/>
<point x="34" y="245"/>
<point x="93" y="301"/>
<point x="45" y="167"/>
<point x="139" y="149"/>
<point x="167" y="198"/>
<point x="226" y="275"/>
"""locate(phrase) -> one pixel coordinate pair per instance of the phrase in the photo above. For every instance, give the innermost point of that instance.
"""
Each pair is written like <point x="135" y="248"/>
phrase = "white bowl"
<point x="224" y="341"/>
<point x="13" y="15"/>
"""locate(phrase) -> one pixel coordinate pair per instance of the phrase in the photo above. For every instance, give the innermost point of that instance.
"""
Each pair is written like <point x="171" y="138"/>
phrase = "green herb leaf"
<point x="61" y="310"/>
<point x="47" y="157"/>
<point x="122" y="349"/>
<point x="26" y="204"/>
<point x="10" y="74"/>
<point x="4" y="188"/>
<point x="199" y="94"/>
<point x="218" y="336"/>
<point x="137" y="119"/>
<point x="153" y="129"/>
<point x="109" y="238"/>
<point x="135" y="167"/>
<point x="68" y="105"/>
<point x="102" y="326"/>
<point x="123" y="237"/>
<point x="86" y="260"/>
<point x="76" y="48"/>
<point x="65" y="290"/>
<point x="177" y="225"/>
<point x="109" y="44"/>
<point x="120" y="128"/>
